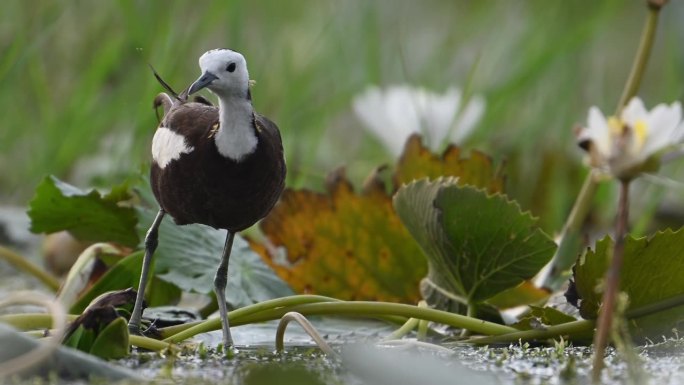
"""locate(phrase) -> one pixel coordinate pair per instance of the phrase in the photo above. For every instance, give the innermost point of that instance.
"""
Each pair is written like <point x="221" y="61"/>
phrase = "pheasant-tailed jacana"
<point x="221" y="167"/>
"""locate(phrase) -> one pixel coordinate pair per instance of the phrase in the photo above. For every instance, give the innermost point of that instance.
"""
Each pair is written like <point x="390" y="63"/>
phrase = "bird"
<point x="218" y="166"/>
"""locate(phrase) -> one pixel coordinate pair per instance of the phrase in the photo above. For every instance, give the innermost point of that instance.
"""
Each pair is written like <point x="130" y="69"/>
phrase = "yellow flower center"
<point x="640" y="132"/>
<point x="616" y="126"/>
<point x="622" y="133"/>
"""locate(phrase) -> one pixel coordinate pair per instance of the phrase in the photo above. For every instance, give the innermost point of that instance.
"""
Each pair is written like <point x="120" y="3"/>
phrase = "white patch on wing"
<point x="167" y="146"/>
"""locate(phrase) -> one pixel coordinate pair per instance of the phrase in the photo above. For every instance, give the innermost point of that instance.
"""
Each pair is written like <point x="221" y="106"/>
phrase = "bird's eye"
<point x="231" y="67"/>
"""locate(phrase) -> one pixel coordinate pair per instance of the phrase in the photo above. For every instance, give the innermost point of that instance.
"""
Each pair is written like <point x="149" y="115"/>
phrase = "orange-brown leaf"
<point x="344" y="244"/>
<point x="417" y="162"/>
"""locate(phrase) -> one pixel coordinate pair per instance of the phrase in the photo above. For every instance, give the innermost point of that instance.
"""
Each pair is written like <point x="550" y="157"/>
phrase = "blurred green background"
<point x="76" y="92"/>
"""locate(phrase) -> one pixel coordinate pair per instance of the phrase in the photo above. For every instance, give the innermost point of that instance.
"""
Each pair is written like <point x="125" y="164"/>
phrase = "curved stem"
<point x="308" y="328"/>
<point x="641" y="59"/>
<point x="405" y="329"/>
<point x="24" y="264"/>
<point x="181" y="332"/>
<point x="324" y="306"/>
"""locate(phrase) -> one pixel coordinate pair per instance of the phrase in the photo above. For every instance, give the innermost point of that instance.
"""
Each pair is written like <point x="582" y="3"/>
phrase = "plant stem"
<point x="612" y="283"/>
<point x="147" y="343"/>
<point x="181" y="332"/>
<point x="356" y="308"/>
<point x="576" y="327"/>
<point x="569" y="244"/>
<point x="641" y="59"/>
<point x="24" y="264"/>
<point x="405" y="329"/>
<point x="568" y="328"/>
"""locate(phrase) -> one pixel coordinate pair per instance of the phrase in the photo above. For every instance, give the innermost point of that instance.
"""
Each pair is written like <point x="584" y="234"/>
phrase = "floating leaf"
<point x="417" y="162"/>
<point x="343" y="244"/>
<point x="477" y="245"/>
<point x="88" y="216"/>
<point x="188" y="256"/>
<point x="651" y="272"/>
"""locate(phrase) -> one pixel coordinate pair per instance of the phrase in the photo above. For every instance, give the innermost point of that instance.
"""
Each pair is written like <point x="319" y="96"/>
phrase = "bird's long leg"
<point x="151" y="241"/>
<point x="220" y="282"/>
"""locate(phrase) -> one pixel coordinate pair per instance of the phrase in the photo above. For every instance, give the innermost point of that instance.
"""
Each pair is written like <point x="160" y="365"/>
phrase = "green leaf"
<point x="112" y="341"/>
<point x="651" y="272"/>
<point x="188" y="256"/>
<point x="477" y="245"/>
<point x="88" y="216"/>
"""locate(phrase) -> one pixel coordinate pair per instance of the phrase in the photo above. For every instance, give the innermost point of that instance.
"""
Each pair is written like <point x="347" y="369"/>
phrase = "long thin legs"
<point x="220" y="282"/>
<point x="151" y="241"/>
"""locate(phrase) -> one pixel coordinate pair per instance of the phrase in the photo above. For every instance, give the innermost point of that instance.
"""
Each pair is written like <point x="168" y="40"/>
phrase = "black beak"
<point x="202" y="82"/>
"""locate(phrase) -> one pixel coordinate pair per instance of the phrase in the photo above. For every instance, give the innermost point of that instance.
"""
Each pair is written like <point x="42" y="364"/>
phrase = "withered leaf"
<point x="344" y="244"/>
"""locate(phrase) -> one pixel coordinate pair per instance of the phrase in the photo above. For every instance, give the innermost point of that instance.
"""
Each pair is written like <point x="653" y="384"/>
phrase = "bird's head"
<point x="224" y="72"/>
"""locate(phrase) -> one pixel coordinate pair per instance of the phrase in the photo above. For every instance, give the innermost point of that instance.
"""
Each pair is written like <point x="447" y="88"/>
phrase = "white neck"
<point x="235" y="138"/>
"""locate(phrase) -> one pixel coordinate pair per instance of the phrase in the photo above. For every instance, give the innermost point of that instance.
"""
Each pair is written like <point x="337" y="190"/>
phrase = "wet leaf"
<point x="87" y="215"/>
<point x="477" y="245"/>
<point x="418" y="162"/>
<point x="344" y="244"/>
<point x="188" y="256"/>
<point x="651" y="273"/>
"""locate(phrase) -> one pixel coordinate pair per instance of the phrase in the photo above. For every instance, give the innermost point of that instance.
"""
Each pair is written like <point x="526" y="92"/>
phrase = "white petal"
<point x="438" y="113"/>
<point x="634" y="111"/>
<point x="663" y="122"/>
<point x="597" y="132"/>
<point x="468" y="118"/>
<point x="391" y="115"/>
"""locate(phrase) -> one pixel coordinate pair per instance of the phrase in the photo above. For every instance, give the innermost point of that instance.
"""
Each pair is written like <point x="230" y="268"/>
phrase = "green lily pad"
<point x="188" y="256"/>
<point x="87" y="215"/>
<point x="651" y="272"/>
<point x="477" y="245"/>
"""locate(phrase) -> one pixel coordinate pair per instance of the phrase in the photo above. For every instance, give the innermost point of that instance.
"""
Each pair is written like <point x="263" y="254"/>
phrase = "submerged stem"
<point x="612" y="282"/>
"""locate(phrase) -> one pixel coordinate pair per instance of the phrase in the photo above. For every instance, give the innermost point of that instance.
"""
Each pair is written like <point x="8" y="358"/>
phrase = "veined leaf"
<point x="188" y="256"/>
<point x="651" y="272"/>
<point x="477" y="245"/>
<point x="87" y="215"/>
<point x="352" y="245"/>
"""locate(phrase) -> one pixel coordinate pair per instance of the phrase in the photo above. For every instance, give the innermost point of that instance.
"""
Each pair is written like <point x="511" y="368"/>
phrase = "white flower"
<point x="625" y="146"/>
<point x="393" y="114"/>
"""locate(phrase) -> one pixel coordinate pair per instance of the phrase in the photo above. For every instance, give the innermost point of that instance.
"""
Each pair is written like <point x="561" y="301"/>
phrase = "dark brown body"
<point x="205" y="187"/>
